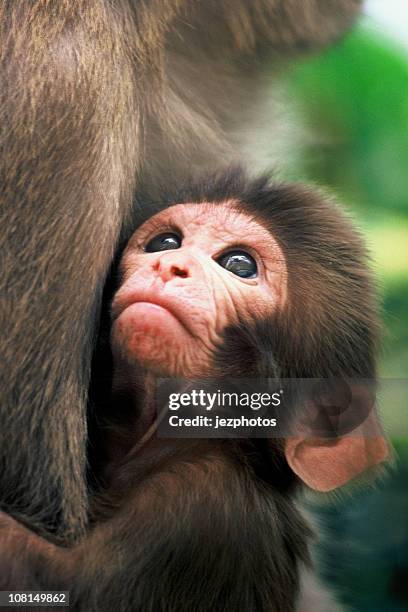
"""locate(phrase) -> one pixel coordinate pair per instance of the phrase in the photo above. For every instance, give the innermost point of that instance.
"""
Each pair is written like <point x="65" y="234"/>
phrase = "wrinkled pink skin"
<point x="172" y="306"/>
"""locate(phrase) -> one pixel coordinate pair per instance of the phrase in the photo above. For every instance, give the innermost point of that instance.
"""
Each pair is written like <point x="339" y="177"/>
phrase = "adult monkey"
<point x="96" y="95"/>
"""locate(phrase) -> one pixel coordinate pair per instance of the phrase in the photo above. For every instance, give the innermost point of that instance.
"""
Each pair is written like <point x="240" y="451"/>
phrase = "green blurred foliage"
<point x="356" y="97"/>
<point x="353" y="100"/>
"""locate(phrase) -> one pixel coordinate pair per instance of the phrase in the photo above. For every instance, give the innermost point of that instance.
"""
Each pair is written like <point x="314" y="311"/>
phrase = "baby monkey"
<point x="231" y="277"/>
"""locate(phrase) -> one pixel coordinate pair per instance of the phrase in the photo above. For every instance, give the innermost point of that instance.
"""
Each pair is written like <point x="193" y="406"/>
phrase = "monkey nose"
<point x="171" y="267"/>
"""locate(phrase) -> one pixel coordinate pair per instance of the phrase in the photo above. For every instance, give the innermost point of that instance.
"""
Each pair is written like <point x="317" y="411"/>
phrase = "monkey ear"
<point x="325" y="465"/>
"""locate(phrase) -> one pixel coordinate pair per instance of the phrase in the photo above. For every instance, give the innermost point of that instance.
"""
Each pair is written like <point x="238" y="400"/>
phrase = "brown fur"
<point x="97" y="96"/>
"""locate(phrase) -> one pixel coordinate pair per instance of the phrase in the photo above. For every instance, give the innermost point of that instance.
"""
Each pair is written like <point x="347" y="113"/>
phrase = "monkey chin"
<point x="149" y="336"/>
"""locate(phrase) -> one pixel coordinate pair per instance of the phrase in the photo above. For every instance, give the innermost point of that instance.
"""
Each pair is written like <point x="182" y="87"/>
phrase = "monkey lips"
<point x="149" y="333"/>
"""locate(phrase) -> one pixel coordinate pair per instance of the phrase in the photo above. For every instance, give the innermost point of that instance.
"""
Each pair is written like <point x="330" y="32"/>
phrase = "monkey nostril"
<point x="176" y="271"/>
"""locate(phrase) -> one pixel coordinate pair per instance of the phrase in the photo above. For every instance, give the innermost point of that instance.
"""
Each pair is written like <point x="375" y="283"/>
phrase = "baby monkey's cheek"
<point x="234" y="302"/>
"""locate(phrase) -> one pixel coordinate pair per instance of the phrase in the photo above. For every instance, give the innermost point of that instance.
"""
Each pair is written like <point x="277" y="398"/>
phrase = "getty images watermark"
<point x="267" y="408"/>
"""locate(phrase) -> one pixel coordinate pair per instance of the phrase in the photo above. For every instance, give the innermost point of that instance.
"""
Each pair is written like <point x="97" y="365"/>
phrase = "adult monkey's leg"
<point x="68" y="160"/>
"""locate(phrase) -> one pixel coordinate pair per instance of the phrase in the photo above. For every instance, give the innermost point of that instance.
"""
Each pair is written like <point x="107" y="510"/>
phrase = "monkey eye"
<point x="239" y="263"/>
<point x="163" y="242"/>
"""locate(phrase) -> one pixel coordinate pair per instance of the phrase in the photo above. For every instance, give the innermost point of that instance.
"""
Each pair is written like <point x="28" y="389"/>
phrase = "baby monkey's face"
<point x="188" y="273"/>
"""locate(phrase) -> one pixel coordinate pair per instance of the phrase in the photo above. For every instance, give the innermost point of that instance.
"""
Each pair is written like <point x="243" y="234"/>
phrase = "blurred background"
<point x="346" y="130"/>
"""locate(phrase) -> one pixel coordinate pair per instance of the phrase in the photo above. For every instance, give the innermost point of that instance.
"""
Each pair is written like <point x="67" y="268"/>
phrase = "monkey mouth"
<point x="121" y="303"/>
